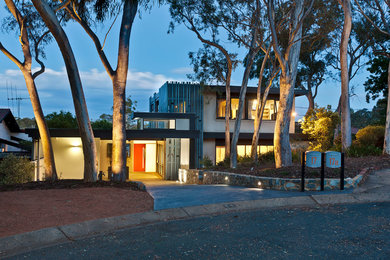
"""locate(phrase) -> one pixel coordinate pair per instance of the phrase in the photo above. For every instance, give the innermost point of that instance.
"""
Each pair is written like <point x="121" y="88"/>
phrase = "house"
<point x="10" y="135"/>
<point x="184" y="124"/>
<point x="209" y="103"/>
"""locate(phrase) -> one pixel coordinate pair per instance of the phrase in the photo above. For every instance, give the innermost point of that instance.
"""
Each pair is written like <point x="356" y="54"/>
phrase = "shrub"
<point x="225" y="163"/>
<point x="206" y="162"/>
<point x="358" y="150"/>
<point x="267" y="157"/>
<point x="320" y="124"/>
<point x="371" y="136"/>
<point x="14" y="170"/>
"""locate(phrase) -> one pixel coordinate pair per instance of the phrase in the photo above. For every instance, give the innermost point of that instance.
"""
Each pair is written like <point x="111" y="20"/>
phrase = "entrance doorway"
<point x="139" y="157"/>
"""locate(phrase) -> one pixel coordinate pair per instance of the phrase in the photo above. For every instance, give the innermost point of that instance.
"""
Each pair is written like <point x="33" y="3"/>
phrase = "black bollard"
<point x="303" y="160"/>
<point x="322" y="171"/>
<point x="342" y="172"/>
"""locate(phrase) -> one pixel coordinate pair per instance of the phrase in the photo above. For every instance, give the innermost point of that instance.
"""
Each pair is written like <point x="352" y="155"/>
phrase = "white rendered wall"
<point x="212" y="124"/>
<point x="209" y="149"/>
<point x="150" y="160"/>
<point x="185" y="153"/>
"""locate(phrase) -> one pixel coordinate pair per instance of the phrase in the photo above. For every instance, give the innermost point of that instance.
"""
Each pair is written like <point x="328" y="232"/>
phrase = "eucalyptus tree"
<point x="292" y="14"/>
<point x="48" y="15"/>
<point x="201" y="17"/>
<point x="81" y="11"/>
<point x="319" y="29"/>
<point x="377" y="13"/>
<point x="346" y="139"/>
<point x="31" y="35"/>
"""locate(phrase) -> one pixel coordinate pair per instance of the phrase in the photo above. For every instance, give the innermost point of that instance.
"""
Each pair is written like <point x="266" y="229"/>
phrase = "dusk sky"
<point x="155" y="57"/>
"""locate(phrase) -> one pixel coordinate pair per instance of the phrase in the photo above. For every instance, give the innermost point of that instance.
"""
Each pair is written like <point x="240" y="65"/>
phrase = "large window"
<point x="269" y="110"/>
<point x="221" y="106"/>
<point x="242" y="151"/>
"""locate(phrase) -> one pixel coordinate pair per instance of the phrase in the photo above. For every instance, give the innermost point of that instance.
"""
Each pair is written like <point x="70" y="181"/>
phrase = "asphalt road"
<point x="360" y="231"/>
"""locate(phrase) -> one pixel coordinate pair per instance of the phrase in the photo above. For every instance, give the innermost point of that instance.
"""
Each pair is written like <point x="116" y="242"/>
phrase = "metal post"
<point x="303" y="160"/>
<point x="322" y="170"/>
<point x="342" y="172"/>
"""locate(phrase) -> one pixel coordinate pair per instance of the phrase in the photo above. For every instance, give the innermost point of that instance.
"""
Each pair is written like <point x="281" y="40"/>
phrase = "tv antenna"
<point x="14" y="97"/>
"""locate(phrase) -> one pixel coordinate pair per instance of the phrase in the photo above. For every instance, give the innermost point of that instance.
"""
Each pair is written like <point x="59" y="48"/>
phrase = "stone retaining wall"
<point x="191" y="176"/>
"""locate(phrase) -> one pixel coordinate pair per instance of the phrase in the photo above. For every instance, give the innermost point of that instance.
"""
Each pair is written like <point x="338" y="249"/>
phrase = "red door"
<point x="139" y="157"/>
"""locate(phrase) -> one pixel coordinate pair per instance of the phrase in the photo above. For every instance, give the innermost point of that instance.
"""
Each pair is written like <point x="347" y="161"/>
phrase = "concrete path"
<point x="376" y="189"/>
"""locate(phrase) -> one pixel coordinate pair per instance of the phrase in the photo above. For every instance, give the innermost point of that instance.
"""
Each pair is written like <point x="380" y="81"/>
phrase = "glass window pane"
<point x="248" y="150"/>
<point x="241" y="150"/>
<point x="234" y="105"/>
<point x="252" y="104"/>
<point x="221" y="108"/>
<point x="220" y="154"/>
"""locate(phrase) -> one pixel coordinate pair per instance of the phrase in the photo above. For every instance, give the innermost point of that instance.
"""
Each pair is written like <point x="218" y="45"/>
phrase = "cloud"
<point x="183" y="70"/>
<point x="55" y="94"/>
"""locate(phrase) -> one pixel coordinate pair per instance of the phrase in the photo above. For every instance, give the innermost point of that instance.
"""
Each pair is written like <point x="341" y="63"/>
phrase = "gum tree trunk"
<point x="85" y="129"/>
<point x="252" y="53"/>
<point x="119" y="90"/>
<point x="289" y="64"/>
<point x="25" y="67"/>
<point x="346" y="138"/>
<point x="386" y="145"/>
<point x="119" y="80"/>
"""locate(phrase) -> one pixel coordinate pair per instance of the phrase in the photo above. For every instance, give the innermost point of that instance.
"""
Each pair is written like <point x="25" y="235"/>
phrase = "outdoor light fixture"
<point x="294" y="114"/>
<point x="259" y="183"/>
<point x="226" y="178"/>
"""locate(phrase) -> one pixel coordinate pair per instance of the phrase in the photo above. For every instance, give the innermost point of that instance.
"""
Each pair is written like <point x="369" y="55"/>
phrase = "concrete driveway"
<point x="171" y="194"/>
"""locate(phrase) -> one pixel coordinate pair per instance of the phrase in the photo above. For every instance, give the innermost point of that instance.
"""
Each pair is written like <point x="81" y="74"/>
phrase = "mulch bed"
<point x="34" y="206"/>
<point x="68" y="184"/>
<point x="353" y="166"/>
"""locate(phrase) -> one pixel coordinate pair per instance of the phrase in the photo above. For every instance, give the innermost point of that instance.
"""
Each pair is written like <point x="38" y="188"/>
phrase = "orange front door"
<point x="139" y="157"/>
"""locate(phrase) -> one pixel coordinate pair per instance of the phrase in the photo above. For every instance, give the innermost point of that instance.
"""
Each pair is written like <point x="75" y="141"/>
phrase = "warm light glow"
<point x="226" y="178"/>
<point x="294" y="114"/>
<point x="259" y="183"/>
<point x="254" y="104"/>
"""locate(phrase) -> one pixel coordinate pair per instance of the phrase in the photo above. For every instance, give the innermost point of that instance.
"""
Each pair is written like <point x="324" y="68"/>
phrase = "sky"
<point x="155" y="57"/>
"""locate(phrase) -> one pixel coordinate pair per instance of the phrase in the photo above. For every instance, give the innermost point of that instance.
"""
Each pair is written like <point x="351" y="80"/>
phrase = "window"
<point x="242" y="151"/>
<point x="270" y="109"/>
<point x="221" y="107"/>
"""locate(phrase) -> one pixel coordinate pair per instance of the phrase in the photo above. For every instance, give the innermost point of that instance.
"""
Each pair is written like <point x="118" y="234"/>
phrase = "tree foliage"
<point x="376" y="84"/>
<point x="61" y="120"/>
<point x="319" y="124"/>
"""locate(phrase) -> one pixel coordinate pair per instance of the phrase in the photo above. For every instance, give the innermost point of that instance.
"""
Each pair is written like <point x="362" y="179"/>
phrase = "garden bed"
<point x="353" y="166"/>
<point x="32" y="206"/>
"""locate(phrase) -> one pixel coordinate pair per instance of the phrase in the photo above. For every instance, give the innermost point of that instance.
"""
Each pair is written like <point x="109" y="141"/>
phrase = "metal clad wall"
<point x="172" y="94"/>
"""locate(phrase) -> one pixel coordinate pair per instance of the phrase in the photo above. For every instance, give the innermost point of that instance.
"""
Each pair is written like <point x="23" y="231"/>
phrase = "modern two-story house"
<point x="209" y="103"/>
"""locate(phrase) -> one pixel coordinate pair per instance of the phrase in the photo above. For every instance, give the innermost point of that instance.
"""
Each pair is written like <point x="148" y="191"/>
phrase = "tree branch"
<point x="95" y="40"/>
<point x="11" y="56"/>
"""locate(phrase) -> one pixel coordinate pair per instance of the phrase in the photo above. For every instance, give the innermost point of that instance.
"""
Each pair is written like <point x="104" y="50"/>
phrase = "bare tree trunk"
<point x="259" y="108"/>
<point x="282" y="149"/>
<point x="25" y="67"/>
<point x="227" y="110"/>
<point x="86" y="133"/>
<point x="258" y="121"/>
<point x="386" y="145"/>
<point x="252" y="53"/>
<point x="310" y="98"/>
<point x="119" y="90"/>
<point x="47" y="149"/>
<point x="346" y="138"/>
